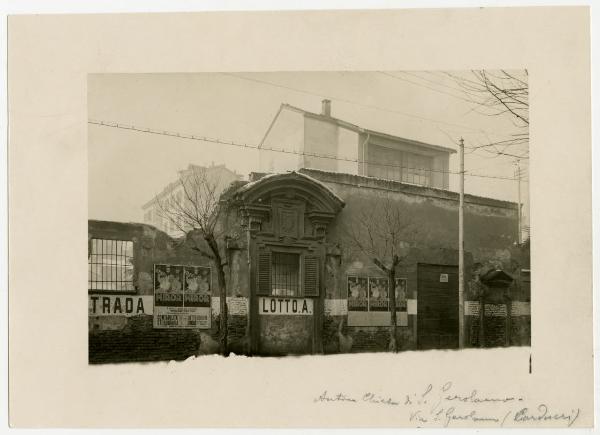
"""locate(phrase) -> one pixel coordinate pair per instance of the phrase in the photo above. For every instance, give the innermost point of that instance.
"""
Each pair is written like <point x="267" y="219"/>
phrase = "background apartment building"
<point x="218" y="175"/>
<point x="320" y="141"/>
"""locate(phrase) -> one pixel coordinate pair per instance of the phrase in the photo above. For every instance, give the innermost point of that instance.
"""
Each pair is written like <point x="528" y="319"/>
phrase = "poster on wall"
<point x="378" y="294"/>
<point x="401" y="292"/>
<point x="358" y="294"/>
<point x="181" y="297"/>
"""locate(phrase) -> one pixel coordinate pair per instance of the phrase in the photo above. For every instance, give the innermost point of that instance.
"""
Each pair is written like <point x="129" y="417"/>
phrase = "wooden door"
<point x="437" y="306"/>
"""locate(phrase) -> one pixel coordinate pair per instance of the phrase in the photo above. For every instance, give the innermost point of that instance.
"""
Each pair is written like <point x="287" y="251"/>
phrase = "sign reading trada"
<point x="119" y="305"/>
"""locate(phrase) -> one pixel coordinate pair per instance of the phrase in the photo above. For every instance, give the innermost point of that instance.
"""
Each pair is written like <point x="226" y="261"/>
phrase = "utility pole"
<point x="518" y="174"/>
<point x="461" y="251"/>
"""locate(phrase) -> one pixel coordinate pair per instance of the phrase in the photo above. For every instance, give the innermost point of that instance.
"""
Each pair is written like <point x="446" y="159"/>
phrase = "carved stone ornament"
<point x="253" y="216"/>
<point x="296" y="191"/>
<point x="288" y="223"/>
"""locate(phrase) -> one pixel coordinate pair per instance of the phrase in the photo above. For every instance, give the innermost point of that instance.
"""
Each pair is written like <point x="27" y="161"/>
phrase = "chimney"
<point x="326" y="107"/>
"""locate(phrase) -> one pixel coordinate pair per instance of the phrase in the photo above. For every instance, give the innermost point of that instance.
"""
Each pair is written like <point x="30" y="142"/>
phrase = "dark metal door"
<point x="437" y="306"/>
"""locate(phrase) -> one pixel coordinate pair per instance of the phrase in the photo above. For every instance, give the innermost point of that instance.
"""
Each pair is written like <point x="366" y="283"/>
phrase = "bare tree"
<point x="194" y="207"/>
<point x="500" y="93"/>
<point x="383" y="233"/>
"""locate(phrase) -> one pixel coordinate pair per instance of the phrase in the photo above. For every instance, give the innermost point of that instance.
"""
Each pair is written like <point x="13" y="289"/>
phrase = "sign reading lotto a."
<point x="285" y="306"/>
<point x="119" y="305"/>
<point x="181" y="297"/>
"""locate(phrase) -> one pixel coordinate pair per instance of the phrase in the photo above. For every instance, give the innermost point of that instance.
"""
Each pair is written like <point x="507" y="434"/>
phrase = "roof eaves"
<point x="411" y="141"/>
<point x="359" y="129"/>
<point x="281" y="107"/>
<point x="331" y="119"/>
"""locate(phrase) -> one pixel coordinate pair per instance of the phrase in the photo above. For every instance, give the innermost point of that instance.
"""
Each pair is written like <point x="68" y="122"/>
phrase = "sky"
<point x="127" y="168"/>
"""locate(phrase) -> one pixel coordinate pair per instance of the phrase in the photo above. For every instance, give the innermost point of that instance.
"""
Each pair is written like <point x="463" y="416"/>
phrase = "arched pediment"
<point x="291" y="185"/>
<point x="272" y="198"/>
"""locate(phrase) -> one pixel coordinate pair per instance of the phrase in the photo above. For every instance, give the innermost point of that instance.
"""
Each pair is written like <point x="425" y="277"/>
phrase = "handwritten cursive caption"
<point x="445" y="406"/>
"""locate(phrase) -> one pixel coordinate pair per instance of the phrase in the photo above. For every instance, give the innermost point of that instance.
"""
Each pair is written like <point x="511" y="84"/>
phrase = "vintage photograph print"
<point x="307" y="213"/>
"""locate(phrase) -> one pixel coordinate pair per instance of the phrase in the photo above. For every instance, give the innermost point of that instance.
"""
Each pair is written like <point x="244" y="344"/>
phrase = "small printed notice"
<point x="237" y="306"/>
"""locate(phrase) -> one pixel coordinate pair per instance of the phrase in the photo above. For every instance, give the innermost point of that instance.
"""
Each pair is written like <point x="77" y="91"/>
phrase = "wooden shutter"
<point x="311" y="276"/>
<point x="264" y="273"/>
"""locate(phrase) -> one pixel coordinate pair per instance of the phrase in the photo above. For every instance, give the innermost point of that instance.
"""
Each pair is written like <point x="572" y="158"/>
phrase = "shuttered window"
<point x="311" y="276"/>
<point x="264" y="273"/>
<point x="279" y="274"/>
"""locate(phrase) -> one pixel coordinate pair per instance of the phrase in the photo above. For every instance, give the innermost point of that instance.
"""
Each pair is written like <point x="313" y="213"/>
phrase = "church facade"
<point x="303" y="252"/>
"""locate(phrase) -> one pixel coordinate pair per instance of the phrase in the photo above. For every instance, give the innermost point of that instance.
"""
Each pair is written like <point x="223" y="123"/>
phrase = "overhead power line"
<point x="122" y="126"/>
<point x="439" y="81"/>
<point x="368" y="106"/>
<point x="423" y="85"/>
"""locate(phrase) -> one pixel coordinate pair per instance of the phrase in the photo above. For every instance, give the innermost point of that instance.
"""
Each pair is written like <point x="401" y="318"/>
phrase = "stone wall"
<point x="507" y="312"/>
<point x="490" y="233"/>
<point x="120" y="338"/>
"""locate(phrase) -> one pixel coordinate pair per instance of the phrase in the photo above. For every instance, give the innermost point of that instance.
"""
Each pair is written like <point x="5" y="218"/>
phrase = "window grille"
<point x="110" y="265"/>
<point x="285" y="274"/>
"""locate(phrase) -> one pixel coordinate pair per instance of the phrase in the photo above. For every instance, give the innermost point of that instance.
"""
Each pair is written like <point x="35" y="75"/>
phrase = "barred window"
<point x="285" y="274"/>
<point x="110" y="265"/>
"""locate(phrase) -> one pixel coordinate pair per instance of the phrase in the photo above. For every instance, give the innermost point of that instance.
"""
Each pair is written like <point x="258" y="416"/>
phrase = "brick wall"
<point x="362" y="339"/>
<point x="492" y="230"/>
<point x="495" y="328"/>
<point x="138" y="341"/>
<point x="281" y="335"/>
<point x="115" y="339"/>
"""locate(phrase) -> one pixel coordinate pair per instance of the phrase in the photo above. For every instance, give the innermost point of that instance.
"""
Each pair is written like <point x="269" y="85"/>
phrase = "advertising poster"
<point x="181" y="297"/>
<point x="401" y="291"/>
<point x="358" y="294"/>
<point x="378" y="294"/>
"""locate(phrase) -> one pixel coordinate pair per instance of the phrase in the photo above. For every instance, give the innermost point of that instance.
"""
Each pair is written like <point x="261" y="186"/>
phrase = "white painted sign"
<point x="411" y="306"/>
<point x="520" y="308"/>
<point x="491" y="310"/>
<point x="471" y="308"/>
<point x="376" y="318"/>
<point x="336" y="307"/>
<point x="119" y="305"/>
<point x="443" y="277"/>
<point x="285" y="306"/>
